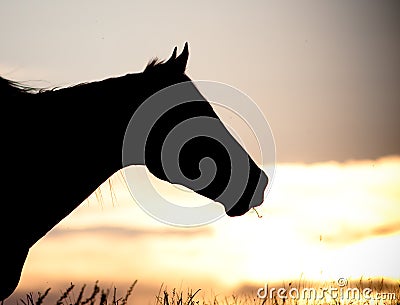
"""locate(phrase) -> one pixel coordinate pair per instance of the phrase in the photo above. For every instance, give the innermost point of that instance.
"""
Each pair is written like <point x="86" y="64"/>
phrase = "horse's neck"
<point x="74" y="144"/>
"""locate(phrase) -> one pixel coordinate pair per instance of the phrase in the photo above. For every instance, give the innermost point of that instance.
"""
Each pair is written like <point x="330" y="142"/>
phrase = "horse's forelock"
<point x="174" y="63"/>
<point x="154" y="63"/>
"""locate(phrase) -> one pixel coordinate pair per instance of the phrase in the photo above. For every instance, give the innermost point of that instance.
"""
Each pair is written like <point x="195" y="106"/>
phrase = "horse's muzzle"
<point x="253" y="195"/>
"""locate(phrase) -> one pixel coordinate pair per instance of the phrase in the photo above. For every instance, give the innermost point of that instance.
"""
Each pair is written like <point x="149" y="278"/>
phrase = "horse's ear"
<point x="181" y="60"/>
<point x="173" y="56"/>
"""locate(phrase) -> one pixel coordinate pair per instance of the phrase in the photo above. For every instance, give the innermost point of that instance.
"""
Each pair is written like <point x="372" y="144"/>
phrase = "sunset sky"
<point x="326" y="75"/>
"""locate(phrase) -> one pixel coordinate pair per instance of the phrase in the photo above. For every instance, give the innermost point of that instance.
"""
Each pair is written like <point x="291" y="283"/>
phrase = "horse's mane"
<point x="9" y="88"/>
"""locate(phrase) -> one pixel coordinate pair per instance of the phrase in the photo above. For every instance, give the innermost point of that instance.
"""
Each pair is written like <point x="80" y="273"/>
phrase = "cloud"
<point x="350" y="234"/>
<point x="110" y="231"/>
<point x="342" y="203"/>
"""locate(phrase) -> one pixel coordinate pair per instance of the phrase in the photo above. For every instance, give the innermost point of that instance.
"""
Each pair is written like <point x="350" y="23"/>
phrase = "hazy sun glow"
<point x="320" y="221"/>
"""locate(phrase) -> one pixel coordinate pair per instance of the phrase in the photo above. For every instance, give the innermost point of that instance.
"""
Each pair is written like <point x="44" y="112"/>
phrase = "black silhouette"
<point x="60" y="145"/>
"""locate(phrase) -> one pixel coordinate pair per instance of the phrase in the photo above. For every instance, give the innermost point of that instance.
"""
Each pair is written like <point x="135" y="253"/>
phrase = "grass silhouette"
<point x="98" y="296"/>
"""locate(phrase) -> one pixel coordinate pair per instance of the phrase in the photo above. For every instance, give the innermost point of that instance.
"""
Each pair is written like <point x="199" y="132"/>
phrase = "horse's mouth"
<point x="244" y="205"/>
<point x="239" y="210"/>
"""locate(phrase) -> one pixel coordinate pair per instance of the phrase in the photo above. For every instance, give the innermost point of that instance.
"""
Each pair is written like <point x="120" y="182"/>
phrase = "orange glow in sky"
<point x="320" y="221"/>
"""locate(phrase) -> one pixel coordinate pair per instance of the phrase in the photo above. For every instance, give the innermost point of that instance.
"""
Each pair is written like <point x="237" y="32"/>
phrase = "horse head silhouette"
<point x="60" y="145"/>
